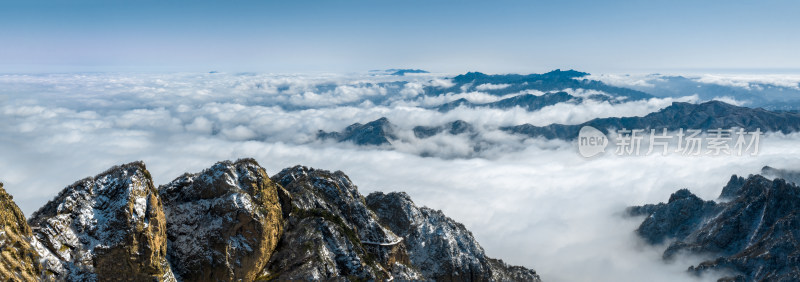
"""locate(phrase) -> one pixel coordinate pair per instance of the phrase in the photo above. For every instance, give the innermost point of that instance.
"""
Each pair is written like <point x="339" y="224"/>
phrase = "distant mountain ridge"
<point x="556" y="80"/>
<point x="398" y="72"/>
<point x="378" y="132"/>
<point x="679" y="115"/>
<point x="232" y="222"/>
<point x="528" y="102"/>
<point x="753" y="93"/>
<point x="708" y="115"/>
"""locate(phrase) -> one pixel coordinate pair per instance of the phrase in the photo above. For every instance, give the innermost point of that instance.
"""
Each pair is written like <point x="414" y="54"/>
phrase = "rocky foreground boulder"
<point x="752" y="231"/>
<point x="232" y="222"/>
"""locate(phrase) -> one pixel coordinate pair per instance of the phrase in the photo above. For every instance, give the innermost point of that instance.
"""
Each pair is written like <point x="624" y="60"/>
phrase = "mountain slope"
<point x="332" y="234"/>
<point x="754" y="234"/>
<point x="441" y="248"/>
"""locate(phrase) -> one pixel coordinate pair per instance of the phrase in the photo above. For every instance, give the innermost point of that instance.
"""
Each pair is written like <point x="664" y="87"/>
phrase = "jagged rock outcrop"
<point x="335" y="233"/>
<point x="754" y="234"/>
<point x="331" y="234"/>
<point x="231" y="222"/>
<point x="441" y="248"/>
<point x="104" y="228"/>
<point x="377" y="132"/>
<point x="19" y="261"/>
<point x="224" y="222"/>
<point x="708" y="115"/>
<point x="681" y="215"/>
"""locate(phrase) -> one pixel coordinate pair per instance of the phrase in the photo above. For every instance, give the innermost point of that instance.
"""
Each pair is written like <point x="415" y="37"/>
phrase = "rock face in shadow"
<point x="19" y="261"/>
<point x="332" y="234"/>
<point x="103" y="228"/>
<point x="754" y="234"/>
<point x="224" y="222"/>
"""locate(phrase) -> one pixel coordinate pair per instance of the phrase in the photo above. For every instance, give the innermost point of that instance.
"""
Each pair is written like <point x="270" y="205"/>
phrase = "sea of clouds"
<point x="530" y="202"/>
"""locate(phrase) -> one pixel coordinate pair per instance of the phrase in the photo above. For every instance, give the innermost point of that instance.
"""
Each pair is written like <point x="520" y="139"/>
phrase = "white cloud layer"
<point x="489" y="86"/>
<point x="748" y="81"/>
<point x="535" y="203"/>
<point x="745" y="81"/>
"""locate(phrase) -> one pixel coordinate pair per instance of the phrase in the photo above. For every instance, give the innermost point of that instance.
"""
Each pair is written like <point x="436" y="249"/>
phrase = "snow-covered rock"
<point x="335" y="233"/>
<point x="224" y="222"/>
<point x="231" y="222"/>
<point x="104" y="227"/>
<point x="753" y="234"/>
<point x="331" y="234"/>
<point x="441" y="248"/>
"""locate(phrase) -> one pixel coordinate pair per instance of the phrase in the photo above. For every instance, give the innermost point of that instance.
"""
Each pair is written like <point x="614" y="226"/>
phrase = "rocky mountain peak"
<point x="732" y="188"/>
<point x="441" y="248"/>
<point x="682" y="194"/>
<point x="231" y="222"/>
<point x="224" y="222"/>
<point x="377" y="132"/>
<point x="753" y="235"/>
<point x="109" y="225"/>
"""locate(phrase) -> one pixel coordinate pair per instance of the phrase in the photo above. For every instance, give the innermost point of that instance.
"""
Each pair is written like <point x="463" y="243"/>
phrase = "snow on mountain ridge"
<point x="108" y="223"/>
<point x="232" y="222"/>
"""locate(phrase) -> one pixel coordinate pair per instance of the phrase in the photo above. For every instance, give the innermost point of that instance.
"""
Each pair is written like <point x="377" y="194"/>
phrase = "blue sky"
<point x="441" y="36"/>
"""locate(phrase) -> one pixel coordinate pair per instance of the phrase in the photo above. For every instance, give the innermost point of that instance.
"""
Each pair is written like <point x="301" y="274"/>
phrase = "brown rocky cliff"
<point x="18" y="260"/>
